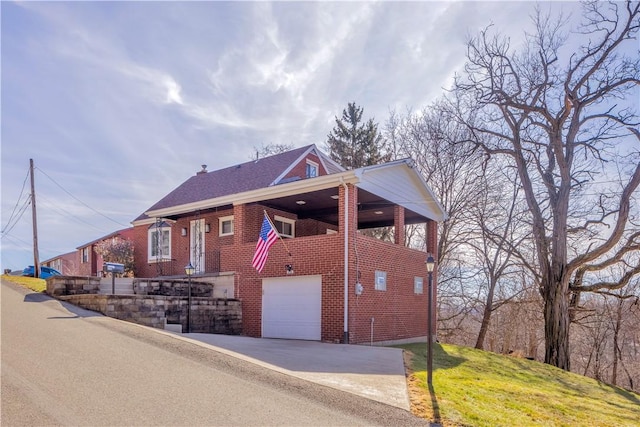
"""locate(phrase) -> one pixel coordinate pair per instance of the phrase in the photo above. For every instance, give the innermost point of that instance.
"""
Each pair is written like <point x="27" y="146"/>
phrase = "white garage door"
<point x="291" y="307"/>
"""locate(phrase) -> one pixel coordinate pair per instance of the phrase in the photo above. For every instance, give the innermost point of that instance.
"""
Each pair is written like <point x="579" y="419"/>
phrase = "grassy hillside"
<point x="38" y="285"/>
<point x="478" y="388"/>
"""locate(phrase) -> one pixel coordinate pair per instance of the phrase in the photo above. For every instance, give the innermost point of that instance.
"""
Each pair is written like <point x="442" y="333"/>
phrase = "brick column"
<point x="432" y="238"/>
<point x="398" y="224"/>
<point x="239" y="214"/>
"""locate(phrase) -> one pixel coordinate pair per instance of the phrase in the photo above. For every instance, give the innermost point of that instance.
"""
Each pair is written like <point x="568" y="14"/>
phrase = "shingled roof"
<point x="239" y="178"/>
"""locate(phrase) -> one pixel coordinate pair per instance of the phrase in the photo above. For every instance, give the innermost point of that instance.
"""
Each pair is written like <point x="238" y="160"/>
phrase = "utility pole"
<point x="36" y="257"/>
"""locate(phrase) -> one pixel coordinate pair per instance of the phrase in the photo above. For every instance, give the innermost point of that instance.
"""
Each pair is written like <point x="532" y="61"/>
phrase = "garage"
<point x="291" y="307"/>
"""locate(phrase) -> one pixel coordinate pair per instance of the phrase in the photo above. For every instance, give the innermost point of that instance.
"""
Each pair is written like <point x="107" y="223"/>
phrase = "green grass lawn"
<point x="38" y="285"/>
<point x="478" y="388"/>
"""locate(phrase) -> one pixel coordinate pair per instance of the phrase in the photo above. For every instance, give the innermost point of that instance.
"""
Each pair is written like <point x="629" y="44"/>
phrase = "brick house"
<point x="326" y="280"/>
<point x="67" y="264"/>
<point x="89" y="262"/>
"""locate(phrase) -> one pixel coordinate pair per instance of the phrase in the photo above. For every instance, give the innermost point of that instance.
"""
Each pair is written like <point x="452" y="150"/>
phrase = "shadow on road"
<point x="77" y="312"/>
<point x="37" y="297"/>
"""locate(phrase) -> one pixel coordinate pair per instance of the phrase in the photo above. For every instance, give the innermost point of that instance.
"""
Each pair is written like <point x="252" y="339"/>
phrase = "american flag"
<point x="268" y="236"/>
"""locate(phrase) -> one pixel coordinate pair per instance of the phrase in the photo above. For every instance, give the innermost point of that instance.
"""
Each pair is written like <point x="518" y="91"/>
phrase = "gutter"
<point x="345" y="336"/>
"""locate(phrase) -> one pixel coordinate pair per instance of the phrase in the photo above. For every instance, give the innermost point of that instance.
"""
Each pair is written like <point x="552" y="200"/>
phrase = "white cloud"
<point x="122" y="101"/>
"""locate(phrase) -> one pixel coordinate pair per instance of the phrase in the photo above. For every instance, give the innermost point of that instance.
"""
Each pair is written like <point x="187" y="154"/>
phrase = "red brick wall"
<point x="84" y="268"/>
<point x="398" y="311"/>
<point x="309" y="256"/>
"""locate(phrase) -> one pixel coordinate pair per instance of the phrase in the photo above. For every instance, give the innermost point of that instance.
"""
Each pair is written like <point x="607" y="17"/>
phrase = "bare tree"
<point x="269" y="150"/>
<point x="454" y="173"/>
<point x="559" y="115"/>
<point x="497" y="216"/>
<point x="117" y="250"/>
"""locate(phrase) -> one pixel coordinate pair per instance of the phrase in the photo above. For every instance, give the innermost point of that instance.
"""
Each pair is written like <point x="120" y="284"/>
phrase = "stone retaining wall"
<point x="72" y="285"/>
<point x="172" y="287"/>
<point x="208" y="315"/>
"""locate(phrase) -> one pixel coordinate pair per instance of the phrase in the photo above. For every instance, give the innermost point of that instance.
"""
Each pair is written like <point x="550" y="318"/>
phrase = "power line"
<point x="14" y="238"/>
<point x="65" y="212"/>
<point x="24" y="184"/>
<point x="80" y="201"/>
<point x="21" y="212"/>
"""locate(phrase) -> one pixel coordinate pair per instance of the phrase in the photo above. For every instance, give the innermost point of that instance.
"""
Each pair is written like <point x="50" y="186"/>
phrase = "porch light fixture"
<point x="431" y="263"/>
<point x="335" y="197"/>
<point x="189" y="270"/>
<point x="183" y="232"/>
<point x="207" y="228"/>
<point x="301" y="202"/>
<point x="378" y="212"/>
<point x="289" y="268"/>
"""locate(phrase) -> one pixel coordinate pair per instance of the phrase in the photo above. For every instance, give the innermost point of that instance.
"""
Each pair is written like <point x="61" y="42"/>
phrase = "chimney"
<point x="204" y="170"/>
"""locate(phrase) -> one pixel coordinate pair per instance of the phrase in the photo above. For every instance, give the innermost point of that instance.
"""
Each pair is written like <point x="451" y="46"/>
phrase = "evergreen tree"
<point x="354" y="143"/>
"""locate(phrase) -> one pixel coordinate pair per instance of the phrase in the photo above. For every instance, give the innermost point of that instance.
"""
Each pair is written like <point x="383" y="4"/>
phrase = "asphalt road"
<point x="62" y="365"/>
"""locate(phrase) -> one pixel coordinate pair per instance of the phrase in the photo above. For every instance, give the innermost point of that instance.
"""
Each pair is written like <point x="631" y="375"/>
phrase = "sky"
<point x="118" y="103"/>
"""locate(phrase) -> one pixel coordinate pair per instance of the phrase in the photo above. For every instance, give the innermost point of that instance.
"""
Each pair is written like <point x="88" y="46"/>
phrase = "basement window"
<point x="381" y="281"/>
<point x="418" y="286"/>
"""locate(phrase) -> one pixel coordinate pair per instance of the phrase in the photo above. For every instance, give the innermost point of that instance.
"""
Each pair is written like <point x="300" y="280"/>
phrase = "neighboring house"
<point x="326" y="281"/>
<point x="67" y="264"/>
<point x="89" y="261"/>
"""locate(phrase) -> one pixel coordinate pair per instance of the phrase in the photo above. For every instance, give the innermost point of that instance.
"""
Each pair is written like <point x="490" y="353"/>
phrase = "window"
<point x="312" y="169"/>
<point x="85" y="255"/>
<point x="285" y="226"/>
<point x="417" y="285"/>
<point x="381" y="281"/>
<point x="159" y="242"/>
<point x="226" y="225"/>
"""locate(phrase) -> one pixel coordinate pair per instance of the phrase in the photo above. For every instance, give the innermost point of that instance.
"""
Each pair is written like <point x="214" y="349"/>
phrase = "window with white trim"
<point x="286" y="227"/>
<point x="381" y="281"/>
<point x="159" y="240"/>
<point x="312" y="169"/>
<point x="226" y="225"/>
<point x="85" y="255"/>
<point x="418" y="286"/>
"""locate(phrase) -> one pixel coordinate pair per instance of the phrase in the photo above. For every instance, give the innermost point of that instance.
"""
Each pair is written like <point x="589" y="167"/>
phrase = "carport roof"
<point x="391" y="183"/>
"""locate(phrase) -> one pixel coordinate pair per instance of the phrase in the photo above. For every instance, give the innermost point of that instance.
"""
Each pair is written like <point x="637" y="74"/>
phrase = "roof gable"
<point x="236" y="179"/>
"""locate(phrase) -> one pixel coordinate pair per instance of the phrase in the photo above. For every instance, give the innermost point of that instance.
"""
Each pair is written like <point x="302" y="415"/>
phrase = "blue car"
<point x="45" y="272"/>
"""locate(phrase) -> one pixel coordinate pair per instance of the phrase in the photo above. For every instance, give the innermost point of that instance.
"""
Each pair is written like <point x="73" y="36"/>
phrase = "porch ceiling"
<point x="373" y="211"/>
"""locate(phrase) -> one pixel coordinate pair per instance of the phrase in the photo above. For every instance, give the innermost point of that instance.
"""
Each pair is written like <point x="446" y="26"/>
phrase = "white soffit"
<point x="401" y="184"/>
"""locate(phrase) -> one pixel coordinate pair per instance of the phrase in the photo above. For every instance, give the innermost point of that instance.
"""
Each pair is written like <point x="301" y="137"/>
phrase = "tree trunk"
<point x="486" y="316"/>
<point x="556" y="329"/>
<point x="616" y="349"/>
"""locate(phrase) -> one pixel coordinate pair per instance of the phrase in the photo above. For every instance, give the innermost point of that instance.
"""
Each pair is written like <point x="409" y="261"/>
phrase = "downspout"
<point x="345" y="337"/>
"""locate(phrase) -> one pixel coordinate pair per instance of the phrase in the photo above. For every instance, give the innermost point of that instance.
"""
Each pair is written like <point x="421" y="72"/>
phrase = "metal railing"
<point x="210" y="263"/>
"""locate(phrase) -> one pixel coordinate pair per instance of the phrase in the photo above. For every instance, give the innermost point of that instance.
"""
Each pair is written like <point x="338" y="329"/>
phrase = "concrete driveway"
<point x="376" y="373"/>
